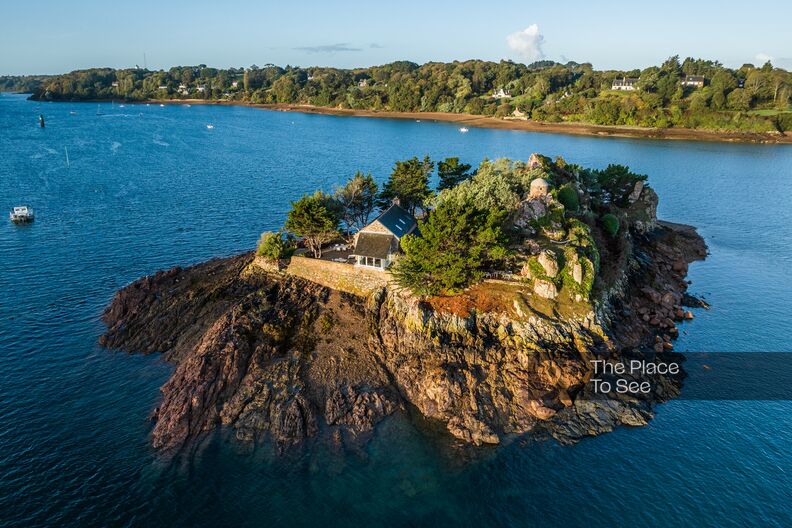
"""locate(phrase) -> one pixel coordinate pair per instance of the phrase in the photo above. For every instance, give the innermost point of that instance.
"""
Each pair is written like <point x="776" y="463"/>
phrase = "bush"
<point x="568" y="197"/>
<point x="610" y="224"/>
<point x="274" y="246"/>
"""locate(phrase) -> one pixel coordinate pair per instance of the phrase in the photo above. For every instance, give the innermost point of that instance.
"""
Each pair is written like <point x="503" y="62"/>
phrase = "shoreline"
<point x="477" y="121"/>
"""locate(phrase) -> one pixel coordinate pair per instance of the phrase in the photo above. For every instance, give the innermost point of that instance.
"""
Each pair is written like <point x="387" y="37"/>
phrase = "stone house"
<point x="378" y="242"/>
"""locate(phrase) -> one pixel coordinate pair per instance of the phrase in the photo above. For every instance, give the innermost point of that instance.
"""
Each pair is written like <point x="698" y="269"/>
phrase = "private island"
<point x="483" y="306"/>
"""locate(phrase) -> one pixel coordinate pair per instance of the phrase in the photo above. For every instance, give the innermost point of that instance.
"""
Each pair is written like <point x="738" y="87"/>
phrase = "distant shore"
<point x="470" y="120"/>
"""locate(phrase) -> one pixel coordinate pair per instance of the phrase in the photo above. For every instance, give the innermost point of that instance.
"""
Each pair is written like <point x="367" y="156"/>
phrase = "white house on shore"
<point x="625" y="84"/>
<point x="695" y="81"/>
<point x="377" y="243"/>
<point x="500" y="93"/>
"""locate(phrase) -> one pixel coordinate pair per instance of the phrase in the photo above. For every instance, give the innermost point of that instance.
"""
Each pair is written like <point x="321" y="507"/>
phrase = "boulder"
<point x="545" y="289"/>
<point x="577" y="273"/>
<point x="548" y="261"/>
<point x="528" y="211"/>
<point x="636" y="192"/>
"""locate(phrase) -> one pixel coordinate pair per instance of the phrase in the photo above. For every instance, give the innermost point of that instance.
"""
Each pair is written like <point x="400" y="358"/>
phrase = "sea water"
<point x="150" y="187"/>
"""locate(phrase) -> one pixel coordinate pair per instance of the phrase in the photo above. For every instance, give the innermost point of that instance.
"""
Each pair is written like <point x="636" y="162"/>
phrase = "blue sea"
<point x="150" y="187"/>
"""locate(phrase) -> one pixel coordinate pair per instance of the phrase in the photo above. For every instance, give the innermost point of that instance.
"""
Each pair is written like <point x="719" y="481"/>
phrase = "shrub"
<point x="274" y="246"/>
<point x="610" y="224"/>
<point x="568" y="197"/>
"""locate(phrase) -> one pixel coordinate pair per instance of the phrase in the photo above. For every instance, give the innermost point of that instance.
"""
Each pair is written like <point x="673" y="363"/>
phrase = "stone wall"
<point x="338" y="276"/>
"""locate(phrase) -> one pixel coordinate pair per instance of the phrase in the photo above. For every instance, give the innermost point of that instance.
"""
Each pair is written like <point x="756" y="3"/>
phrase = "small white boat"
<point x="72" y="113"/>
<point x="210" y="127"/>
<point x="463" y="130"/>
<point x="22" y="215"/>
<point x="121" y="106"/>
<point x="162" y="106"/>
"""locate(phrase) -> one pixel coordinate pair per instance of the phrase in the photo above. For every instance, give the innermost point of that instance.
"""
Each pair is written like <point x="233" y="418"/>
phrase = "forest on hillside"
<point x="21" y="83"/>
<point x="750" y="98"/>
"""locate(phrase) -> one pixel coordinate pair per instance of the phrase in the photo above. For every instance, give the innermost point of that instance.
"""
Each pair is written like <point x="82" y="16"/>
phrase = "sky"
<point x="46" y="36"/>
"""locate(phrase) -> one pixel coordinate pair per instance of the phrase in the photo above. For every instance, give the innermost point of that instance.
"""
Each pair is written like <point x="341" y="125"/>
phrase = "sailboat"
<point x="98" y="110"/>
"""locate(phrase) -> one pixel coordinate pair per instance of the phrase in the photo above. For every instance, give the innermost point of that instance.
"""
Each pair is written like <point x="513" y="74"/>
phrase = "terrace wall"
<point x="338" y="276"/>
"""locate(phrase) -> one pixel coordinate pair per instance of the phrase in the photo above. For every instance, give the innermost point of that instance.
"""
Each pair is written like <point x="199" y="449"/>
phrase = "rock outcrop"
<point x="276" y="356"/>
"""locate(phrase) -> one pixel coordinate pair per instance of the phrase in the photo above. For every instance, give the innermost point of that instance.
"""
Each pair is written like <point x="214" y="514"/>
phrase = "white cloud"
<point x="527" y="43"/>
<point x="761" y="58"/>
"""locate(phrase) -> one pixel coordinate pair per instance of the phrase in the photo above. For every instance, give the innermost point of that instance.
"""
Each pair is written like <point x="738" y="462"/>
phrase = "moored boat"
<point x="22" y="214"/>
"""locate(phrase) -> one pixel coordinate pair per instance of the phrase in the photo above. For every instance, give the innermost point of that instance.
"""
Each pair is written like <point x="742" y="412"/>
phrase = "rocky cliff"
<point x="275" y="356"/>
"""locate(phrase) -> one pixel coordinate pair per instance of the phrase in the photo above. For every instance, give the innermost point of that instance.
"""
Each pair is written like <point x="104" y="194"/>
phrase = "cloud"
<point x="761" y="58"/>
<point x="328" y="48"/>
<point x="374" y="45"/>
<point x="527" y="43"/>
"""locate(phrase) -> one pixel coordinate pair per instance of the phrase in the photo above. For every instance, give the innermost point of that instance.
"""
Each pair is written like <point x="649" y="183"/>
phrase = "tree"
<point x="617" y="182"/>
<point x="458" y="242"/>
<point x="452" y="173"/>
<point x="315" y="218"/>
<point x="357" y="199"/>
<point x="739" y="99"/>
<point x="409" y="183"/>
<point x="285" y="89"/>
<point x="274" y="246"/>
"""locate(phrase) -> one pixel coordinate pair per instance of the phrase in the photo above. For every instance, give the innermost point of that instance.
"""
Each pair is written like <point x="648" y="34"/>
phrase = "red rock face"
<point x="286" y="359"/>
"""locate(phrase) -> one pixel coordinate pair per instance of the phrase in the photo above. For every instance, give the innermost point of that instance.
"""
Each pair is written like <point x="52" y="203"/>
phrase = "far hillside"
<point x="692" y="93"/>
<point x="21" y="83"/>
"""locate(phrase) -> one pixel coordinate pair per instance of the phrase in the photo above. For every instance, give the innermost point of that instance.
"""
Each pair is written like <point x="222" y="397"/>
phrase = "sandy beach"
<point x="469" y="120"/>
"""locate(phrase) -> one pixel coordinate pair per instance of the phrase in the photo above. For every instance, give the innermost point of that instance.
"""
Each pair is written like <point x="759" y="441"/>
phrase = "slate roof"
<point x="397" y="220"/>
<point x="375" y="245"/>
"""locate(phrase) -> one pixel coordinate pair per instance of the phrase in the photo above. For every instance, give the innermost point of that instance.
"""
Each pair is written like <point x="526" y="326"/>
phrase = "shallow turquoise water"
<point x="150" y="187"/>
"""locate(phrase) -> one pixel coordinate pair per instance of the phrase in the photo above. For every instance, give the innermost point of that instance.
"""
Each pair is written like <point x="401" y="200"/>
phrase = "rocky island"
<point x="314" y="338"/>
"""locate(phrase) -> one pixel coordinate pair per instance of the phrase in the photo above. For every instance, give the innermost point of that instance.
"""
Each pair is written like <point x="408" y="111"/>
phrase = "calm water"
<point x="150" y="187"/>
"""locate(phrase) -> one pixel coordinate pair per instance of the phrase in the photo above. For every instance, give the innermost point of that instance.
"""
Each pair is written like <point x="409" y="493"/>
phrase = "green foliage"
<point x="496" y="185"/>
<point x="275" y="246"/>
<point x="452" y="173"/>
<point x="616" y="182"/>
<point x="326" y="322"/>
<point x="357" y="199"/>
<point x="458" y="242"/>
<point x="22" y="83"/>
<point x="409" y="183"/>
<point x="547" y="92"/>
<point x="315" y="218"/>
<point x="610" y="224"/>
<point x="568" y="197"/>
